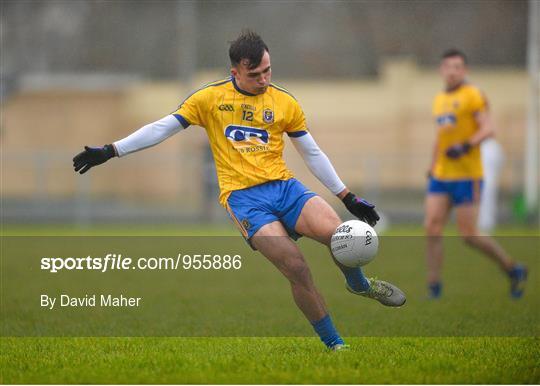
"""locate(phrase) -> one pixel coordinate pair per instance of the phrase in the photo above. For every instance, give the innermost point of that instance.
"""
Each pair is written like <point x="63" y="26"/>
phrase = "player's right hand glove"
<point x="362" y="209"/>
<point x="457" y="151"/>
<point x="92" y="156"/>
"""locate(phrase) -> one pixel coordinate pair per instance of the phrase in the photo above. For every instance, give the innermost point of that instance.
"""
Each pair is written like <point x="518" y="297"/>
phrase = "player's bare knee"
<point x="298" y="272"/>
<point x="327" y="239"/>
<point x="334" y="219"/>
<point x="470" y="239"/>
<point x="433" y="227"/>
<point x="329" y="225"/>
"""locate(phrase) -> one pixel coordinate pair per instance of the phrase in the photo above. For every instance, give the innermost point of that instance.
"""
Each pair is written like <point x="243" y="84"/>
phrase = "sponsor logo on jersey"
<point x="226" y="107"/>
<point x="268" y="116"/>
<point x="446" y="120"/>
<point x="242" y="136"/>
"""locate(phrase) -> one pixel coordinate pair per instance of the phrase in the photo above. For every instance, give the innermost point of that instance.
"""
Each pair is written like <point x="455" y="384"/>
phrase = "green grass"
<point x="475" y="334"/>
<point x="225" y="229"/>
<point x="270" y="360"/>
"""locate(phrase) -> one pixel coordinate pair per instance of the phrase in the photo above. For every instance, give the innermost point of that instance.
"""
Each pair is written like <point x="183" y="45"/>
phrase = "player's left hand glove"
<point x="92" y="156"/>
<point x="362" y="209"/>
<point x="457" y="151"/>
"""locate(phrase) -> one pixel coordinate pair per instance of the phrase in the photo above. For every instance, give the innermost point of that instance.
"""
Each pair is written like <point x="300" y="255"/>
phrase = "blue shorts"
<point x="460" y="191"/>
<point x="253" y="207"/>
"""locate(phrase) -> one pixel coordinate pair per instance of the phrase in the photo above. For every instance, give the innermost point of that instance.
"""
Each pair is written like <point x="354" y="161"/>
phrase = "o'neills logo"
<point x="343" y="232"/>
<point x="344" y="229"/>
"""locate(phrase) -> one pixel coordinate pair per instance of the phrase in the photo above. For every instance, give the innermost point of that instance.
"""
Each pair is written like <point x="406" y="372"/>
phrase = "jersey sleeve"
<point x="477" y="101"/>
<point x="296" y="125"/>
<point x="192" y="110"/>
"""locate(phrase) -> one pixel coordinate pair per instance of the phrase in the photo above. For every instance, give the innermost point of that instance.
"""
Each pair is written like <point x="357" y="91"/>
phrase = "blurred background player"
<point x="245" y="117"/>
<point x="455" y="178"/>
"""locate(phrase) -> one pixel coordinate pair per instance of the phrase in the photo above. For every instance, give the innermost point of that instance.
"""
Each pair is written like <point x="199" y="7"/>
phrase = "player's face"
<point x="254" y="80"/>
<point x="453" y="70"/>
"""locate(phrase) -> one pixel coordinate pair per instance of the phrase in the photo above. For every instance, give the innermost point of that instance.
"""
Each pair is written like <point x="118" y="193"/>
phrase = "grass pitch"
<point x="475" y="334"/>
<point x="270" y="360"/>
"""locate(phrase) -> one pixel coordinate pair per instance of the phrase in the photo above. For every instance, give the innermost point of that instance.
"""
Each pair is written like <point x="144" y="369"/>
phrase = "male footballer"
<point x="463" y="121"/>
<point x="245" y="117"/>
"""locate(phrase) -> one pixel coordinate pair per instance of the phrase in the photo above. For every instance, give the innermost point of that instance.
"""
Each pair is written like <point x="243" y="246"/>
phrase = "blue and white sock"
<point x="327" y="332"/>
<point x="355" y="278"/>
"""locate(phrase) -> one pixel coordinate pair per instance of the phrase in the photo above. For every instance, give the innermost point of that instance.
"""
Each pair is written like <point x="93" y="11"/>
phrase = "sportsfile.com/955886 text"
<point x="114" y="261"/>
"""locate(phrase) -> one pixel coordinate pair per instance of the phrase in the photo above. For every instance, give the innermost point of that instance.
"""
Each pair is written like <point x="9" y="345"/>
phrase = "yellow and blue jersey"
<point x="454" y="113"/>
<point x="245" y="131"/>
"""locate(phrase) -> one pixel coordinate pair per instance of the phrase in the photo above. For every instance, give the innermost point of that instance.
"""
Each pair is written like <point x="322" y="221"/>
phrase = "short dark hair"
<point x="450" y="53"/>
<point x="248" y="45"/>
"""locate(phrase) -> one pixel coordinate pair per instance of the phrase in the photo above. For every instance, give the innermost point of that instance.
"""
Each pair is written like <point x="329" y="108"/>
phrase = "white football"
<point x="354" y="243"/>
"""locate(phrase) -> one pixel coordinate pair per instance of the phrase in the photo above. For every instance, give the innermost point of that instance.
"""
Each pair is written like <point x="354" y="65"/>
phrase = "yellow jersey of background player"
<point x="455" y="112"/>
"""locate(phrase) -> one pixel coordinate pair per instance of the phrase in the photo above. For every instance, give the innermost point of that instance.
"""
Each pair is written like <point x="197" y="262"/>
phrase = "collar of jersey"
<point x="239" y="89"/>
<point x="453" y="89"/>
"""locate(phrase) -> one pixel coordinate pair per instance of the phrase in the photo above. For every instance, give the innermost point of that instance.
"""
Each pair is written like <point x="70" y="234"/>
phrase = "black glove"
<point x="457" y="151"/>
<point x="92" y="156"/>
<point x="361" y="208"/>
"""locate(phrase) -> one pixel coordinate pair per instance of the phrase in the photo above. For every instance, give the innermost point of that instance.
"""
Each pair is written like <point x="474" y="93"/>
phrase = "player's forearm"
<point x="485" y="128"/>
<point x="148" y="135"/>
<point x="319" y="164"/>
